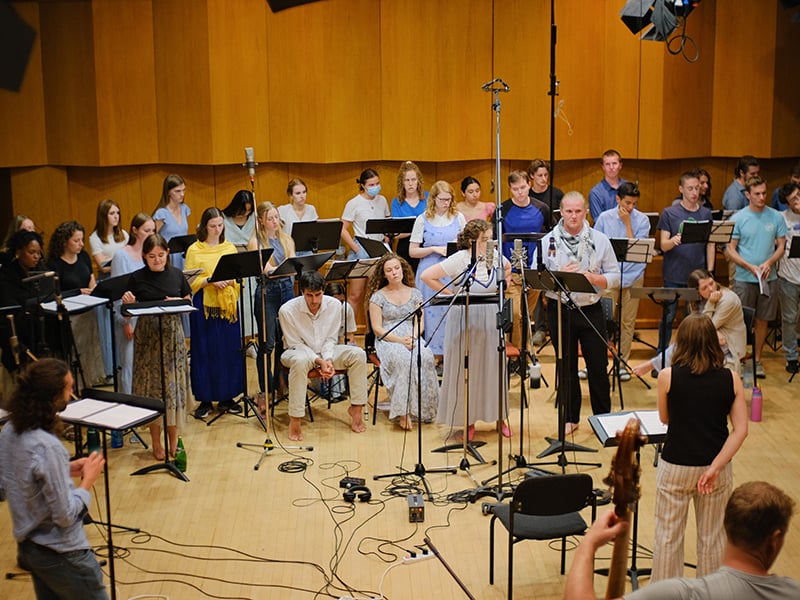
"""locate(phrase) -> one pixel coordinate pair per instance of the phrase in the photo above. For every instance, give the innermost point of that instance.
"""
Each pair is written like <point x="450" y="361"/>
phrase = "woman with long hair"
<point x="298" y="208"/>
<point x="471" y="205"/>
<point x="276" y="292"/>
<point x="482" y="332"/>
<point x="127" y="260"/>
<point x="438" y="225"/>
<point x="216" y="367"/>
<point x="240" y="219"/>
<point x="411" y="201"/>
<point x="696" y="397"/>
<point x="392" y="297"/>
<point x="172" y="213"/>
<point x="159" y="346"/>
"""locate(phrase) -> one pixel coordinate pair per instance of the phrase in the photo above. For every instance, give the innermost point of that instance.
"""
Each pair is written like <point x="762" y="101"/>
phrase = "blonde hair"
<point x="436" y="189"/>
<point x="286" y="241"/>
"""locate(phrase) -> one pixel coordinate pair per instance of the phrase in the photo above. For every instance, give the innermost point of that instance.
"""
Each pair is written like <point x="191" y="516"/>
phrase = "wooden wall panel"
<point x="23" y="139"/>
<point x="744" y="60"/>
<point x="238" y="79"/>
<point x="70" y="82"/>
<point x="786" y="92"/>
<point x="125" y="82"/>
<point x="89" y="186"/>
<point x="432" y="104"/>
<point x="181" y="53"/>
<point x="42" y="193"/>
<point x="325" y="80"/>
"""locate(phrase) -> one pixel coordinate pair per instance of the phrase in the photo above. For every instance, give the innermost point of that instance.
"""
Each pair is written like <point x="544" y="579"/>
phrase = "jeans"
<point x="72" y="575"/>
<point x="276" y="293"/>
<point x="789" y="294"/>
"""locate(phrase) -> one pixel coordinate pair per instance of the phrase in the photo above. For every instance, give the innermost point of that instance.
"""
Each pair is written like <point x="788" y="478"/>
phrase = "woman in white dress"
<point x="297" y="209"/>
<point x="483" y="357"/>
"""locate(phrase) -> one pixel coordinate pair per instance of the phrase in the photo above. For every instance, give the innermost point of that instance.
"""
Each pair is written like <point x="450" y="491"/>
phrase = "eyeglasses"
<point x="445" y="198"/>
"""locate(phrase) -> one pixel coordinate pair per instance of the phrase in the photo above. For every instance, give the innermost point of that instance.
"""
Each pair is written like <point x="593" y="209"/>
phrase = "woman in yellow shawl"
<point x="216" y="367"/>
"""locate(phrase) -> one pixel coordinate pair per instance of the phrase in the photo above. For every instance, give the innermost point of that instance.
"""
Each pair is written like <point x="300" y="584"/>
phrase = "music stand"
<point x="295" y="265"/>
<point x="160" y="309"/>
<point x="112" y="289"/>
<point x="345" y="270"/>
<point x="107" y="411"/>
<point x="313" y="236"/>
<point x="390" y="227"/>
<point x="180" y="243"/>
<point x="605" y="428"/>
<point x="561" y="282"/>
<point x="722" y="232"/>
<point x="664" y="297"/>
<point x="695" y="232"/>
<point x="240" y="266"/>
<point x="373" y="248"/>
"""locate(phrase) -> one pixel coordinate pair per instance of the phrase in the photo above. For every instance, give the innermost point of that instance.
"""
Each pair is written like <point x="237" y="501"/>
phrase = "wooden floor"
<point x="236" y="532"/>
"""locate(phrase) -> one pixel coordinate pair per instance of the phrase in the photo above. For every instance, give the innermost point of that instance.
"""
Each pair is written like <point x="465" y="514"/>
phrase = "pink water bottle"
<point x="756" y="402"/>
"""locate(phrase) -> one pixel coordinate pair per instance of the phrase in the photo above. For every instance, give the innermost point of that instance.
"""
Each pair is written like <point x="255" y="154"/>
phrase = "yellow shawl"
<point x="216" y="303"/>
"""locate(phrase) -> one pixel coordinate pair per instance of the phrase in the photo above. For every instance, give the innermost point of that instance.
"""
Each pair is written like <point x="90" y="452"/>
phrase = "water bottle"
<point x="117" y="439"/>
<point x="551" y="250"/>
<point x="756" y="402"/>
<point x="92" y="440"/>
<point x="180" y="456"/>
<point x="535" y="375"/>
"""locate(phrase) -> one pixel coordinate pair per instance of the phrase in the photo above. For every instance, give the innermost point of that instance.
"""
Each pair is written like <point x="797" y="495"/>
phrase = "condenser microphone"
<point x="39" y="276"/>
<point x="473" y="258"/>
<point x="490" y="255"/>
<point x="250" y="163"/>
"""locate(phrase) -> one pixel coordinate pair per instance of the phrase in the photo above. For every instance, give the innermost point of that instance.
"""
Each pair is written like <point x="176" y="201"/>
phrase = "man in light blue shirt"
<point x="626" y="222"/>
<point x="734" y="197"/>
<point x="603" y="196"/>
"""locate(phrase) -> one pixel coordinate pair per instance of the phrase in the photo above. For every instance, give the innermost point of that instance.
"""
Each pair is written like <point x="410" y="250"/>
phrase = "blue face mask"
<point x="373" y="191"/>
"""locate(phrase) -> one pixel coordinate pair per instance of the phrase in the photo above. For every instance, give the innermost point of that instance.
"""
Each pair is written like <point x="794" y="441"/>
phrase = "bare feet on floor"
<point x="569" y="428"/>
<point x="356" y="418"/>
<point x="405" y="422"/>
<point x="295" y="433"/>
<point x="158" y="453"/>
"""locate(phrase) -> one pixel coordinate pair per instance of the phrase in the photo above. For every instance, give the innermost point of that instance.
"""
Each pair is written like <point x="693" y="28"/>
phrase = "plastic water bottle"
<point x="756" y="403"/>
<point x="180" y="456"/>
<point x="117" y="439"/>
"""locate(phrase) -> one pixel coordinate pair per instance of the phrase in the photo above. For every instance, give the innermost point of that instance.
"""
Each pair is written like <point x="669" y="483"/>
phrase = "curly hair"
<point x="34" y="402"/>
<point x="60" y="237"/>
<point x="471" y="232"/>
<point x="377" y="278"/>
<point x="401" y="174"/>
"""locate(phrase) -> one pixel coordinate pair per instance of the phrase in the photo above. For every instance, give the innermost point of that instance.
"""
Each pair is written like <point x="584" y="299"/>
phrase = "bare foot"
<point x="295" y="433"/>
<point x="405" y="422"/>
<point x="356" y="418"/>
<point x="569" y="428"/>
<point x="158" y="453"/>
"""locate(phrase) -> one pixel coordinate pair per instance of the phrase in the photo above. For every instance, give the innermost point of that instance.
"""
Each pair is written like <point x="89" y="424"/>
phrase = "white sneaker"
<point x="583" y="374"/>
<point x="624" y="375"/>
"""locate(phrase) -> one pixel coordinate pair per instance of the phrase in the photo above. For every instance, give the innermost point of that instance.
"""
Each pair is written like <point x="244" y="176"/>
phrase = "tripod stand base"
<point x="557" y="446"/>
<point x="419" y="471"/>
<point x="249" y="404"/>
<point x="168" y="466"/>
<point x="471" y="448"/>
<point x="633" y="574"/>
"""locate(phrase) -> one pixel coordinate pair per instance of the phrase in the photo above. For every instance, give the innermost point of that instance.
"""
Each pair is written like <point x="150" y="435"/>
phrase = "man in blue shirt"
<point x="756" y="247"/>
<point x="626" y="222"/>
<point x="734" y="197"/>
<point x="794" y="177"/>
<point x="603" y="196"/>
<point x="47" y="509"/>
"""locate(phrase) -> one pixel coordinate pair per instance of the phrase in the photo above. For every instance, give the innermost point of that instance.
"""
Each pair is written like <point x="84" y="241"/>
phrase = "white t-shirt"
<point x="359" y="210"/>
<point x="107" y="249"/>
<point x="290" y="217"/>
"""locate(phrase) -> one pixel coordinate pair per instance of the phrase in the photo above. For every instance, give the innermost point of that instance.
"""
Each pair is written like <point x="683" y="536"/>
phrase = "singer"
<point x="392" y="298"/>
<point x="172" y="213"/>
<point x="482" y="332"/>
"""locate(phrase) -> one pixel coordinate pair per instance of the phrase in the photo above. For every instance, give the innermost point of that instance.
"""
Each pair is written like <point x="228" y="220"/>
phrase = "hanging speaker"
<point x="277" y="5"/>
<point x="636" y="14"/>
<point x="16" y="44"/>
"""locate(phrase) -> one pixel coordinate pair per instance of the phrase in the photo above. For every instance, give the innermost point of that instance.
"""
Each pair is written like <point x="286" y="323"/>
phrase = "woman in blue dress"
<point x="441" y="223"/>
<point x="172" y="214"/>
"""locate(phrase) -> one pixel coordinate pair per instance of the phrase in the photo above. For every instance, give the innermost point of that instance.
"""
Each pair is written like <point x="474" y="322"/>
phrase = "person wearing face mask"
<point x="367" y="204"/>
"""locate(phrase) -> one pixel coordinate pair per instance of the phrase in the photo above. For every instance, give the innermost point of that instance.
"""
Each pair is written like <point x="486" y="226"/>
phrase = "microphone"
<point x="57" y="291"/>
<point x="490" y="254"/>
<point x="473" y="257"/>
<point x="13" y="340"/>
<point x="518" y="254"/>
<point x="39" y="276"/>
<point x="250" y="163"/>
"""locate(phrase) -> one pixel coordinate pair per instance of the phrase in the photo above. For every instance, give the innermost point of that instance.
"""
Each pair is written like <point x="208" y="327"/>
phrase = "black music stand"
<point x="107" y="411"/>
<point x="180" y="243"/>
<point x="695" y="232"/>
<point x="664" y="297"/>
<point x="313" y="236"/>
<point x="390" y="227"/>
<point x="240" y="266"/>
<point x="563" y="283"/>
<point x="605" y="428"/>
<point x="112" y="289"/>
<point x="345" y="270"/>
<point x="160" y="309"/>
<point x="373" y="248"/>
<point x="295" y="265"/>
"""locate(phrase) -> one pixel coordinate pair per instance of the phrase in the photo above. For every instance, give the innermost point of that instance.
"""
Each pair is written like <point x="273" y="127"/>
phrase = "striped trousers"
<point x="676" y="485"/>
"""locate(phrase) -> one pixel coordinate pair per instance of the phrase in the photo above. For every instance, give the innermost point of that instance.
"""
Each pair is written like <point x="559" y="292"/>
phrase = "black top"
<point x="544" y="197"/>
<point x="73" y="276"/>
<point x="26" y="295"/>
<point x="149" y="285"/>
<point x="698" y="407"/>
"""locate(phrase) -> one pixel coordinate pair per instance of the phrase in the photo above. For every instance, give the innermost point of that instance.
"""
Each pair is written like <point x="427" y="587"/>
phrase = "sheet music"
<point x="108" y="415"/>
<point x="649" y="423"/>
<point x="80" y="409"/>
<point x="154" y="310"/>
<point x="75" y="303"/>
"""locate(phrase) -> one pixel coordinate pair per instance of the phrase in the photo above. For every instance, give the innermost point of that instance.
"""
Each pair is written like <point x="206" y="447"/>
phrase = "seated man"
<point x="310" y="325"/>
<point x="756" y="521"/>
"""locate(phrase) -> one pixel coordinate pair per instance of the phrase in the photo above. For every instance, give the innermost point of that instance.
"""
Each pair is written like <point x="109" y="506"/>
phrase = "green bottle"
<point x="180" y="456"/>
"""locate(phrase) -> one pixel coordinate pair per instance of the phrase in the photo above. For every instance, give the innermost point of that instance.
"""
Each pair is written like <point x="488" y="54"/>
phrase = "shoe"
<point x="538" y="338"/>
<point x="760" y="371"/>
<point x="230" y="406"/>
<point x="583" y="374"/>
<point x="251" y="352"/>
<point x="792" y="366"/>
<point x="201" y="412"/>
<point x="624" y="375"/>
<point x="654" y="374"/>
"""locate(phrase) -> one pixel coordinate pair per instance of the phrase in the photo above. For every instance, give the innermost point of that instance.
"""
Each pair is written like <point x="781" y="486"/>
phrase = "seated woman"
<point x="158" y="340"/>
<point x="725" y="310"/>
<point x="392" y="297"/>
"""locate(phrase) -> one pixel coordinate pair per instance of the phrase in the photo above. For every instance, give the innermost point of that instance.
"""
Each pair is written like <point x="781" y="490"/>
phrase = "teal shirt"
<point x="757" y="233"/>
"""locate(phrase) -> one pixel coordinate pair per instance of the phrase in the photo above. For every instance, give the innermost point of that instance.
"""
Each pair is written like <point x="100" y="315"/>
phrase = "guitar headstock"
<point x="624" y="474"/>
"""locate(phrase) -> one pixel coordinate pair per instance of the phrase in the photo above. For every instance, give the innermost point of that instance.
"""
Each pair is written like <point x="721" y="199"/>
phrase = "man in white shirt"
<point x="311" y="324"/>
